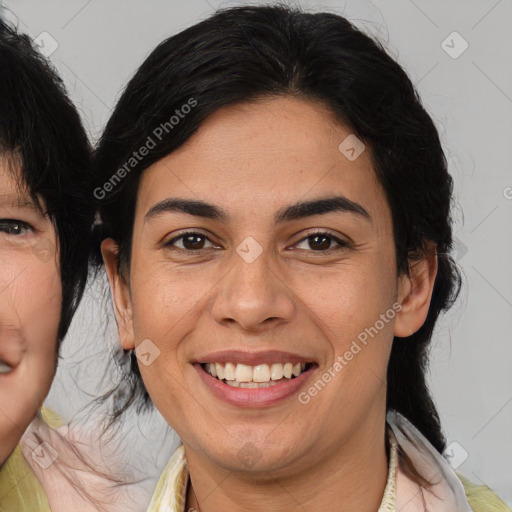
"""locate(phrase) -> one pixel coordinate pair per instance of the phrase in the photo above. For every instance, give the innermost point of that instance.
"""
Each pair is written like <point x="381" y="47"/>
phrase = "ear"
<point x="121" y="295"/>
<point x="415" y="292"/>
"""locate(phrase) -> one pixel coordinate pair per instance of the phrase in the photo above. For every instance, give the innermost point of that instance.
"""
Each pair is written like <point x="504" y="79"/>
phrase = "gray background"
<point x="101" y="43"/>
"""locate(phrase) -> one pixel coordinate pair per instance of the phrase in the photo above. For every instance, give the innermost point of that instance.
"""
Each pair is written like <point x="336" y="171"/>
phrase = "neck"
<point x="352" y="477"/>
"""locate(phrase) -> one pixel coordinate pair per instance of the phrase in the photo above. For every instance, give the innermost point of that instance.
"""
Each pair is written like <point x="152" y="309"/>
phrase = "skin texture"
<point x="252" y="160"/>
<point x="30" y="307"/>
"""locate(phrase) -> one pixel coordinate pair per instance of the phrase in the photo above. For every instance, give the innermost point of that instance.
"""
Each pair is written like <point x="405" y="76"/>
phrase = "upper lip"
<point x="253" y="358"/>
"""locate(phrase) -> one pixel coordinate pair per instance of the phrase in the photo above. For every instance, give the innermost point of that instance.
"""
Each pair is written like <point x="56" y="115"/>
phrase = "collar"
<point x="446" y="494"/>
<point x="171" y="491"/>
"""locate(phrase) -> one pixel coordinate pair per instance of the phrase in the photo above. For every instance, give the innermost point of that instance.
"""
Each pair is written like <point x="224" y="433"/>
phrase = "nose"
<point x="12" y="343"/>
<point x="253" y="296"/>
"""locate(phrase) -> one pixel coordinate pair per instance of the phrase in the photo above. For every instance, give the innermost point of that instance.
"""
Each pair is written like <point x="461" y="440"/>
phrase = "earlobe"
<point x="120" y="291"/>
<point x="415" y="292"/>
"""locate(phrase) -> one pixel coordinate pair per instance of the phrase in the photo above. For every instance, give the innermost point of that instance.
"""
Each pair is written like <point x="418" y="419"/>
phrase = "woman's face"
<point x="271" y="276"/>
<point x="30" y="308"/>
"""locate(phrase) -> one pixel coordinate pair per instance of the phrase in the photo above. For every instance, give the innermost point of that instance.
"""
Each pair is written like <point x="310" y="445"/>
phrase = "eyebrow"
<point x="15" y="201"/>
<point x="296" y="211"/>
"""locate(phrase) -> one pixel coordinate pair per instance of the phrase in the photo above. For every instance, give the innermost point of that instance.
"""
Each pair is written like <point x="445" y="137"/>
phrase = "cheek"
<point x="30" y="308"/>
<point x="354" y="309"/>
<point x="351" y="298"/>
<point x="163" y="312"/>
<point x="165" y="301"/>
<point x="169" y="307"/>
<point x="32" y="301"/>
<point x="40" y="320"/>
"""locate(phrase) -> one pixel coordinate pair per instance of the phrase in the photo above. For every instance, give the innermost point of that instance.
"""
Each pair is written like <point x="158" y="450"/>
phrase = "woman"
<point x="45" y="219"/>
<point x="45" y="236"/>
<point x="276" y="232"/>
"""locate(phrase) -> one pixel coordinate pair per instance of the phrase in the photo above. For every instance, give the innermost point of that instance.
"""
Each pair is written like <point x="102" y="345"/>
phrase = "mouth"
<point x="257" y="385"/>
<point x="5" y="368"/>
<point x="245" y="376"/>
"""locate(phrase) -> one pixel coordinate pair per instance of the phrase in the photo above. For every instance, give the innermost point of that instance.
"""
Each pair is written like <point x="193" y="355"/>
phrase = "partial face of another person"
<point x="262" y="274"/>
<point x="30" y="307"/>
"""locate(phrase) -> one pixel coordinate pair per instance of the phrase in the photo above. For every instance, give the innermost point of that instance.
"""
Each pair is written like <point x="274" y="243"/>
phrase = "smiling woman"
<point x="289" y="238"/>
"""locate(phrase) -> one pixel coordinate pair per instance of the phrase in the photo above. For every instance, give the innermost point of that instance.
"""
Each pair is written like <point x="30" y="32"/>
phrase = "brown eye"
<point x="193" y="242"/>
<point x="190" y="241"/>
<point x="321" y="242"/>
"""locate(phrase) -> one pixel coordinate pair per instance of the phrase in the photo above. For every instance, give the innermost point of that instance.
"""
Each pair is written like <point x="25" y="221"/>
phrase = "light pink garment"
<point x="446" y="495"/>
<point x="65" y="479"/>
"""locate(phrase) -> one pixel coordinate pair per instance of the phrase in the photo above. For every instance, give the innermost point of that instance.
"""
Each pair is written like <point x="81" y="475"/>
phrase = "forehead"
<point x="253" y="156"/>
<point x="13" y="190"/>
<point x="11" y="180"/>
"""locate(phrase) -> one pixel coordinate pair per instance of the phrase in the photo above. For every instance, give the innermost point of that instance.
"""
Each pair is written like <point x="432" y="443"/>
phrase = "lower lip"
<point x="253" y="397"/>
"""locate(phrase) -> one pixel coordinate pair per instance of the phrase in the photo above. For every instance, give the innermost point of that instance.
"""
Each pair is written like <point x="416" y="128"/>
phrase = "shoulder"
<point x="20" y="489"/>
<point x="481" y="498"/>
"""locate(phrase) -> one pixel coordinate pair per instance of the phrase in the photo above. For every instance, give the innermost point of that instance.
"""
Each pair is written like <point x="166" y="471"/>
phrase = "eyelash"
<point x="341" y="243"/>
<point x="6" y="225"/>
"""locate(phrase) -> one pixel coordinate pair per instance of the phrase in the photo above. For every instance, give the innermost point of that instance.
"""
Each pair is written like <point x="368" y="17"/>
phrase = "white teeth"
<point x="249" y="385"/>
<point x="4" y="367"/>
<point x="229" y="371"/>
<point x="276" y="371"/>
<point x="237" y="384"/>
<point x="243" y="373"/>
<point x="261" y="373"/>
<point x="237" y="374"/>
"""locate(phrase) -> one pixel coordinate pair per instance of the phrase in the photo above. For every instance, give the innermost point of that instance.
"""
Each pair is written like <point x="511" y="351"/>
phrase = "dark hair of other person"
<point x="42" y="135"/>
